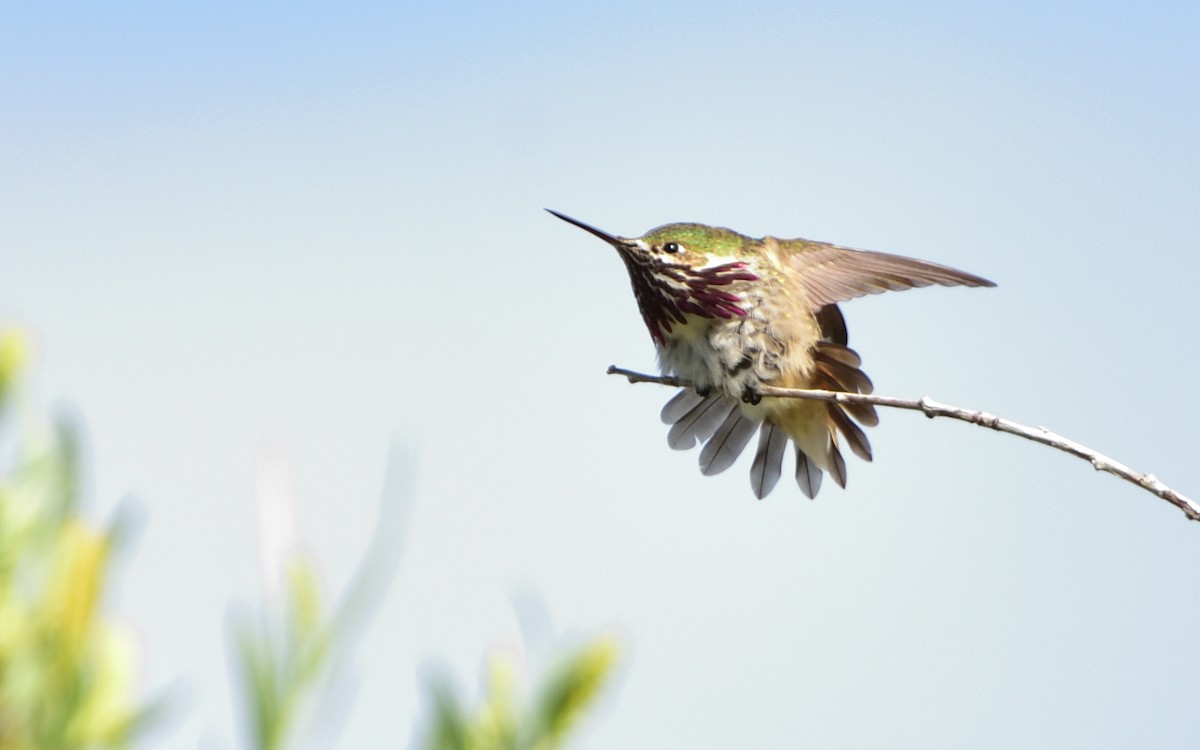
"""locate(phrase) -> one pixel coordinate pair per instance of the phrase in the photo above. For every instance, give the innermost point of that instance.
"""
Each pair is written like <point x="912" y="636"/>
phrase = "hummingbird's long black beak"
<point x="614" y="241"/>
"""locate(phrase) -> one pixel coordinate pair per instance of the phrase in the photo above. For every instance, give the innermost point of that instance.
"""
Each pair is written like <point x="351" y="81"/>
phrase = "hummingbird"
<point x="731" y="313"/>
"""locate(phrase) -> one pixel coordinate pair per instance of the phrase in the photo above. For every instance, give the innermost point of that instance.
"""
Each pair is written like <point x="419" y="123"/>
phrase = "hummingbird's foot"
<point x="751" y="395"/>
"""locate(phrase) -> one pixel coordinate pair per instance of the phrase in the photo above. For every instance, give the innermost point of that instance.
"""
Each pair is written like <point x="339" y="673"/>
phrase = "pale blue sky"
<point x="295" y="231"/>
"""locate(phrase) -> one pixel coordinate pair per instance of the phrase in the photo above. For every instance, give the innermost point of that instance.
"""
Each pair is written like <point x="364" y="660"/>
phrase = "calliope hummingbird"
<point x="730" y="313"/>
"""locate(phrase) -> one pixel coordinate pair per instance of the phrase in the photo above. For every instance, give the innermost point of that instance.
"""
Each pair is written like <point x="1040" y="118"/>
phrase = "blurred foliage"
<point x="282" y="668"/>
<point x="66" y="673"/>
<point x="505" y="723"/>
<point x="287" y="659"/>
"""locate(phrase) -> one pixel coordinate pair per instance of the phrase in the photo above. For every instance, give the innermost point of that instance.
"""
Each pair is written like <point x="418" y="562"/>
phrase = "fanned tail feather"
<point x="808" y="475"/>
<point x="720" y="424"/>
<point x="678" y="407"/>
<point x="726" y="444"/>
<point x="700" y="422"/>
<point x="768" y="461"/>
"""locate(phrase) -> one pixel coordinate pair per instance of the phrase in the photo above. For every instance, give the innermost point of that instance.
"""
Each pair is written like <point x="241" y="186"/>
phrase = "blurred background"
<point x="285" y="250"/>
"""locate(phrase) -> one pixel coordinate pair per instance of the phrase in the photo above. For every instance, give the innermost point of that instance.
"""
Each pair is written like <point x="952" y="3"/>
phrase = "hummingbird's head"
<point x="679" y="270"/>
<point x="697" y="244"/>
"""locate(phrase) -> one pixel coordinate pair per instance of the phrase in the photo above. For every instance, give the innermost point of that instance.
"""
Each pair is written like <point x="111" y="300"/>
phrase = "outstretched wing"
<point x="830" y="273"/>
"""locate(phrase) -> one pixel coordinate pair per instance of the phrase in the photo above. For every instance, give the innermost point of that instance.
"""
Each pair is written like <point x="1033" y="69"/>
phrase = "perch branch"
<point x="931" y="409"/>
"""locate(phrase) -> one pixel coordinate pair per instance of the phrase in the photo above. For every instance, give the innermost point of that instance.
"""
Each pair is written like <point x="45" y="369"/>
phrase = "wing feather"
<point x="831" y="273"/>
<point x="837" y="465"/>
<point x="864" y="413"/>
<point x="855" y="437"/>
<point x="850" y="379"/>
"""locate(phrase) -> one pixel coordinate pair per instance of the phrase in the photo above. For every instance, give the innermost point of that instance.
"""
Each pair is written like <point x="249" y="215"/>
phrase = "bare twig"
<point x="931" y="409"/>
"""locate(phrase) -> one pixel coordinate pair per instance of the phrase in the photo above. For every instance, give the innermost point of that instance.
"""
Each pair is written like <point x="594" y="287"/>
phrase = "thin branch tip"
<point x="932" y="409"/>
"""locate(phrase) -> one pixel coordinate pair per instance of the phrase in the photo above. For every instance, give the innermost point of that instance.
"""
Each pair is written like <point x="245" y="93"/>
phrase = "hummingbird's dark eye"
<point x="671" y="247"/>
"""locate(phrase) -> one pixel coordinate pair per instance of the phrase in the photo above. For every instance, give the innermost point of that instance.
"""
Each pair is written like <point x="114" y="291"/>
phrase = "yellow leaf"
<point x="74" y="590"/>
<point x="106" y="713"/>
<point x="14" y="353"/>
